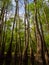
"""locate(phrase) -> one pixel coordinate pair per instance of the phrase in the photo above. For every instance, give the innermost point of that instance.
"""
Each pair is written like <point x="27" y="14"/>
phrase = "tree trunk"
<point x="40" y="43"/>
<point x="44" y="43"/>
<point x="9" y="52"/>
<point x="17" y="48"/>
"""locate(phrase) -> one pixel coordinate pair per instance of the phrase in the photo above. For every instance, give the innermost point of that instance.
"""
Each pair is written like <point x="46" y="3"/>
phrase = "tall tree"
<point x="16" y="55"/>
<point x="25" y="58"/>
<point x="9" y="52"/>
<point x="2" y="33"/>
<point x="44" y="43"/>
<point x="40" y="43"/>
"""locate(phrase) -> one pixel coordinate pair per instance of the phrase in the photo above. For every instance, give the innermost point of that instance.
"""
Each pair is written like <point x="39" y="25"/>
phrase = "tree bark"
<point x="40" y="37"/>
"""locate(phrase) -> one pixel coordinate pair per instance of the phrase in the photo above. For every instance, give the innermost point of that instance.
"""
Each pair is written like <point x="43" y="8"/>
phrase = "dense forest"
<point x="24" y="32"/>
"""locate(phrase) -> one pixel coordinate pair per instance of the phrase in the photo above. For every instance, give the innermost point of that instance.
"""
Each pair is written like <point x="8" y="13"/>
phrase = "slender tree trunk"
<point x="32" y="57"/>
<point x="1" y="23"/>
<point x="2" y="44"/>
<point x="1" y="29"/>
<point x="25" y="57"/>
<point x="44" y="43"/>
<point x="25" y="1"/>
<point x="9" y="52"/>
<point x="17" y="49"/>
<point x="40" y="37"/>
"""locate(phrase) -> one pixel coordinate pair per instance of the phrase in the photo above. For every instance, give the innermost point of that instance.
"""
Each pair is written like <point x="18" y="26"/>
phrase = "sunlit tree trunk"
<point x="44" y="43"/>
<point x="39" y="37"/>
<point x="25" y="3"/>
<point x="25" y="57"/>
<point x="37" y="32"/>
<point x="46" y="50"/>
